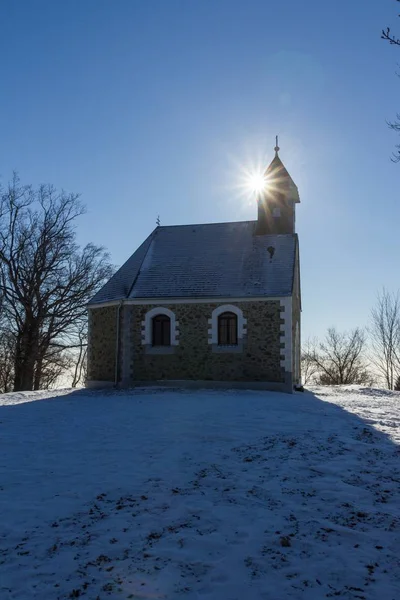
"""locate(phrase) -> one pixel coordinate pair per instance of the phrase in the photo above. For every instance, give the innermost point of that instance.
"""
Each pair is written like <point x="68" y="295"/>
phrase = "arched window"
<point x="161" y="330"/>
<point x="227" y="329"/>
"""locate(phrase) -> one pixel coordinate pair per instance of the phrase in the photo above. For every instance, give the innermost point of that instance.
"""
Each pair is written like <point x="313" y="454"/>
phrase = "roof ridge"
<point x="214" y="223"/>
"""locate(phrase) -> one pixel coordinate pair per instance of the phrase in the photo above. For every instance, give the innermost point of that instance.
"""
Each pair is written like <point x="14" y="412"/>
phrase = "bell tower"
<point x="277" y="201"/>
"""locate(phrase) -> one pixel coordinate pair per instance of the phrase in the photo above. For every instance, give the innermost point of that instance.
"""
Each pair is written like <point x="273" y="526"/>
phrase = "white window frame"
<point x="147" y="324"/>
<point x="213" y="323"/>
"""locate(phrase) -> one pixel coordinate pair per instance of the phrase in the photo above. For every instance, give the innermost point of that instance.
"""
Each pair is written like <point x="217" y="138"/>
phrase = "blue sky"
<point x="154" y="107"/>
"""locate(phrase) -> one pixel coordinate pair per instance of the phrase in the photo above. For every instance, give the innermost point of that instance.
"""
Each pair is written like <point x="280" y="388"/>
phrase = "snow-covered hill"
<point x="211" y="495"/>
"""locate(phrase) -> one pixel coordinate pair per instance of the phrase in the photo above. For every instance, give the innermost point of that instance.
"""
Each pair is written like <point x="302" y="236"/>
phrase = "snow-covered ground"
<point x="200" y="495"/>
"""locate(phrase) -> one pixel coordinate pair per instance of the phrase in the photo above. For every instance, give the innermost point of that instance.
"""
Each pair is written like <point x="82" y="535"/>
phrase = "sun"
<point x="256" y="182"/>
<point x="252" y="181"/>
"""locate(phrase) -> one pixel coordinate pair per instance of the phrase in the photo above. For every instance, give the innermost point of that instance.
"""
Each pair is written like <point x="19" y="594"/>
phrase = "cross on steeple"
<point x="276" y="146"/>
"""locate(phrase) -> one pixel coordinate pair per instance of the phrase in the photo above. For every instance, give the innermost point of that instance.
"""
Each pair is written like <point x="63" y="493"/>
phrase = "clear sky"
<point x="151" y="107"/>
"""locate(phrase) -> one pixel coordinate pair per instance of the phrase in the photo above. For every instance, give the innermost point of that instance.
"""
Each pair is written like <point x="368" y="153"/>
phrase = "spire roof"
<point x="279" y="176"/>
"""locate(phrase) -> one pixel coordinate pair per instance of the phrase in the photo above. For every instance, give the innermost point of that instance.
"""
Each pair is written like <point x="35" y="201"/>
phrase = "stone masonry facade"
<point x="102" y="343"/>
<point x="193" y="358"/>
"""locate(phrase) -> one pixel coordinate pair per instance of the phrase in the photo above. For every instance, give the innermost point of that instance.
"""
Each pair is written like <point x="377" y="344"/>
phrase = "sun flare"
<point x="252" y="181"/>
<point x="257" y="182"/>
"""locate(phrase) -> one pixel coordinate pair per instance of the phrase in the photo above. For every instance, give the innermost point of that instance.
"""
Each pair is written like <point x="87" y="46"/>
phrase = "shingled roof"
<point x="220" y="260"/>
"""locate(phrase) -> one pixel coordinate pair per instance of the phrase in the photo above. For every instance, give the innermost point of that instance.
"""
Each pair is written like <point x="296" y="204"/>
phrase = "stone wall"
<point x="296" y="317"/>
<point x="194" y="359"/>
<point x="102" y="343"/>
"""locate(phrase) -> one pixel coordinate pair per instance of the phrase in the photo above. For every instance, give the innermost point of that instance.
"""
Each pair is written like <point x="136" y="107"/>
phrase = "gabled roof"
<point x="119" y="286"/>
<point x="279" y="176"/>
<point x="205" y="261"/>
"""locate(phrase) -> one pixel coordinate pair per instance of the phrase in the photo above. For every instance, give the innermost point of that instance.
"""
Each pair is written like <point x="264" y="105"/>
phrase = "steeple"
<point x="277" y="201"/>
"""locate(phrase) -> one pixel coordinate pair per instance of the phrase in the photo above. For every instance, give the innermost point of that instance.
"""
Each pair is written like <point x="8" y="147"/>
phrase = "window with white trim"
<point x="160" y="329"/>
<point x="227" y="328"/>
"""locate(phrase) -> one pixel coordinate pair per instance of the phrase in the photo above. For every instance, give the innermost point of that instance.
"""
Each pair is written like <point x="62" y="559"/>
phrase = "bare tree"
<point x="309" y="369"/>
<point x="53" y="368"/>
<point x="79" y="371"/>
<point x="385" y="337"/>
<point x="389" y="37"/>
<point x="46" y="280"/>
<point x="339" y="359"/>
<point x="395" y="125"/>
<point x="7" y="356"/>
<point x="7" y="352"/>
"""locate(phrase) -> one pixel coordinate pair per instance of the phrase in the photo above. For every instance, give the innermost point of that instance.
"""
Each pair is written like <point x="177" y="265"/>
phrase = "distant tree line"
<point x="46" y="280"/>
<point x="361" y="356"/>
